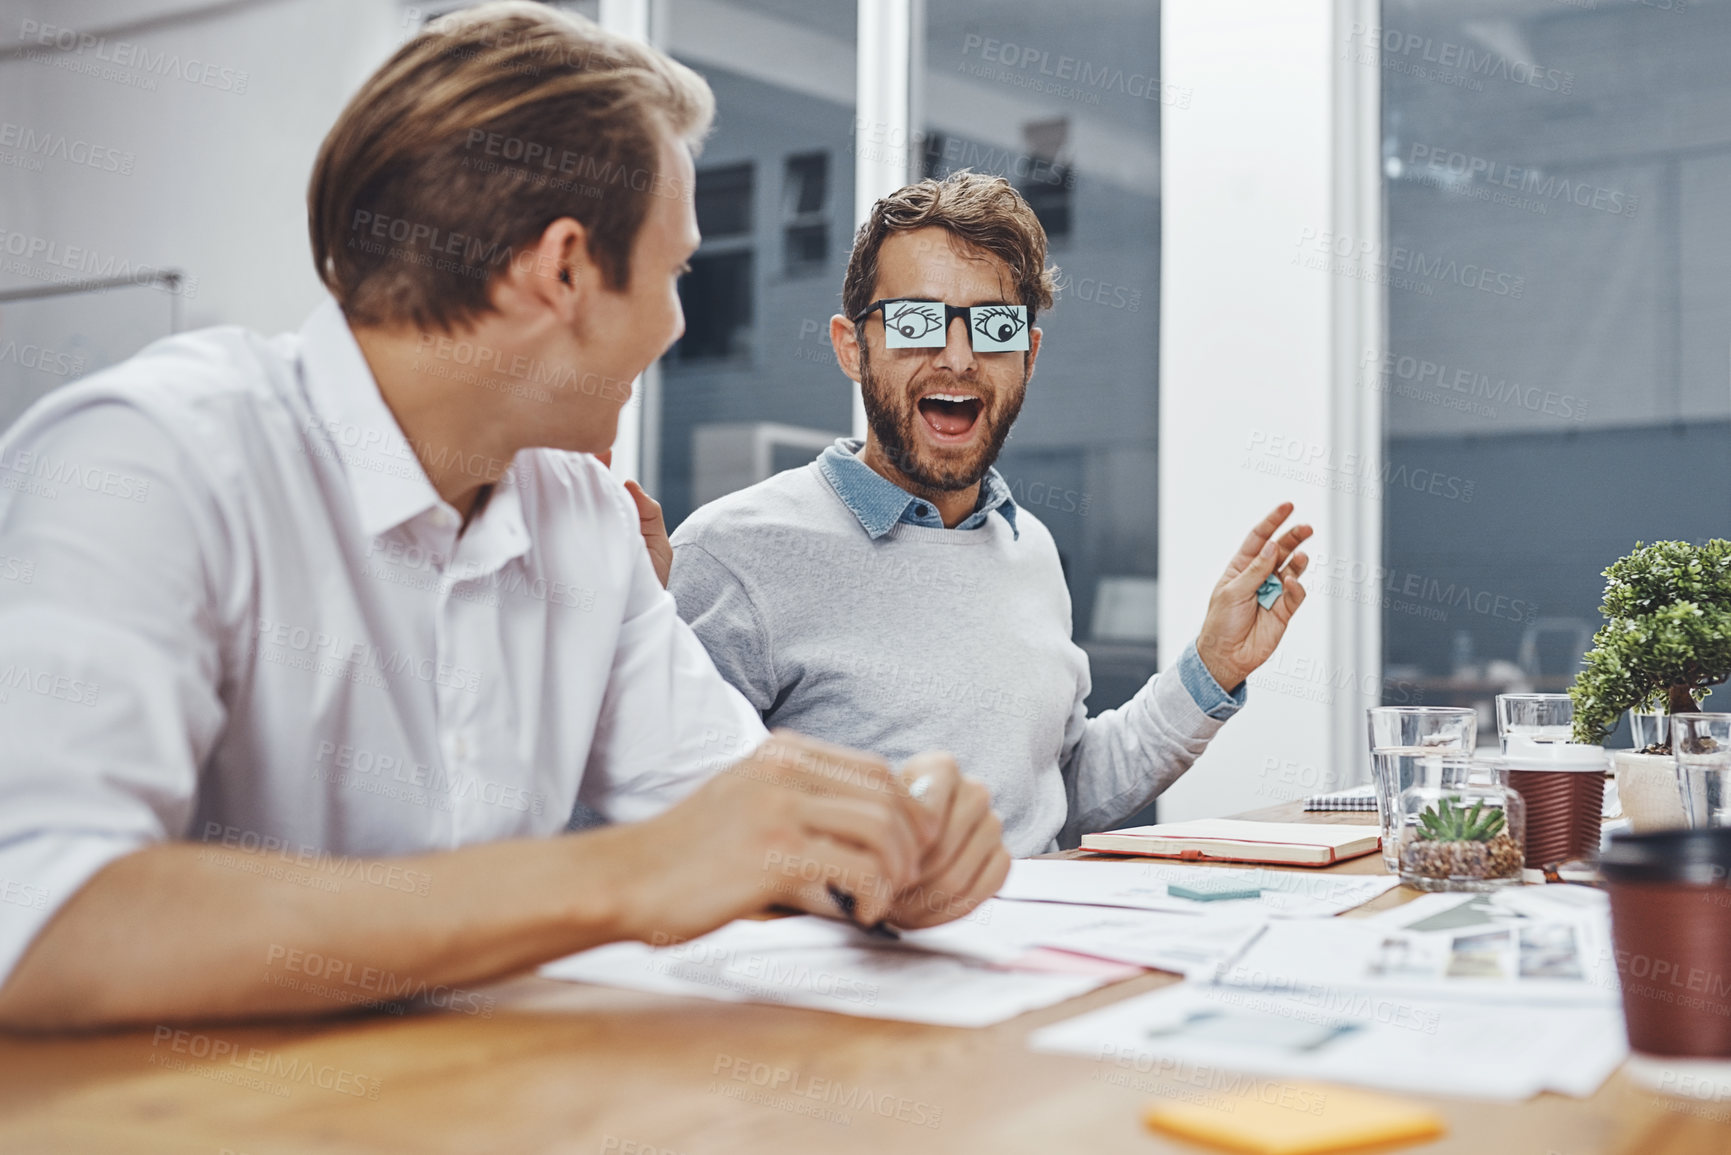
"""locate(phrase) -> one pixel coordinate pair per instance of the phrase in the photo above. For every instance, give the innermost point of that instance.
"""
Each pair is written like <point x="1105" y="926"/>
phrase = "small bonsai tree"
<point x="1666" y="637"/>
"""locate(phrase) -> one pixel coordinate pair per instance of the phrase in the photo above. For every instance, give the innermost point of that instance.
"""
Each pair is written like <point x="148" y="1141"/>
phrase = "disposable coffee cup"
<point x="1563" y="786"/>
<point x="1671" y="936"/>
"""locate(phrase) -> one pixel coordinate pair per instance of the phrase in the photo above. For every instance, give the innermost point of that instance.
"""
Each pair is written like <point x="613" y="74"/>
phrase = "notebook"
<point x="1241" y="840"/>
<point x="1357" y="798"/>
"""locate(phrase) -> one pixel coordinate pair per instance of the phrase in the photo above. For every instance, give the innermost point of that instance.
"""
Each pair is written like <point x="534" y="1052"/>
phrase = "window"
<point x="1555" y="373"/>
<point x="716" y="298"/>
<point x="805" y="213"/>
<point x="756" y="350"/>
<point x="723" y="202"/>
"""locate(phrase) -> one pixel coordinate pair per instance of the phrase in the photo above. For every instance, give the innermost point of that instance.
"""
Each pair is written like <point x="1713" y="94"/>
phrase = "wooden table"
<point x="566" y="1068"/>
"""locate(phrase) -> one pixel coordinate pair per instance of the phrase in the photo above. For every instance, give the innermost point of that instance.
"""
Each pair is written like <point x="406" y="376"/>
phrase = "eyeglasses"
<point x="996" y="328"/>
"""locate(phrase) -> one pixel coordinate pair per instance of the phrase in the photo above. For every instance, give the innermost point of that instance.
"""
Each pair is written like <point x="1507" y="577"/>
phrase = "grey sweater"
<point x="927" y="639"/>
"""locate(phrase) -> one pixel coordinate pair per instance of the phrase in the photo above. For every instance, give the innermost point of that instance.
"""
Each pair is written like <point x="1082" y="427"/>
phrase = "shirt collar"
<point x="385" y="477"/>
<point x="880" y="503"/>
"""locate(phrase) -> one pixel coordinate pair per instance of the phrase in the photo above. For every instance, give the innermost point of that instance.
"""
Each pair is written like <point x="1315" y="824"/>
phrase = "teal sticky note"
<point x="1269" y="592"/>
<point x="1212" y="893"/>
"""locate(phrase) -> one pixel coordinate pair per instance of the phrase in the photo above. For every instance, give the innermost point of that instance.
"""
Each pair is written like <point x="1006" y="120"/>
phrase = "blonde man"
<point x="349" y="619"/>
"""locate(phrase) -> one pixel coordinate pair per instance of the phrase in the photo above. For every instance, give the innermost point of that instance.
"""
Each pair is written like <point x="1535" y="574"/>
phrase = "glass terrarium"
<point x="1465" y="837"/>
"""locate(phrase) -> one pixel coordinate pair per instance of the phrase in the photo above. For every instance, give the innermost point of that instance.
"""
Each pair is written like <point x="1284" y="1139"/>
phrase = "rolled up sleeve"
<point x="109" y="657"/>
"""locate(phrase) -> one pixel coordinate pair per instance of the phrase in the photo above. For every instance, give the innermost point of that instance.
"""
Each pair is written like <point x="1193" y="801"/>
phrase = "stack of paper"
<point x="1536" y="945"/>
<point x="1494" y="996"/>
<point x="831" y="966"/>
<point x="1007" y="932"/>
<point x="1455" y="1048"/>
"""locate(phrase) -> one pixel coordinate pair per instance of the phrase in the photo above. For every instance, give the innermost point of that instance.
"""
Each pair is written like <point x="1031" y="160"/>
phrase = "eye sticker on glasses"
<point x="998" y="328"/>
<point x="913" y="324"/>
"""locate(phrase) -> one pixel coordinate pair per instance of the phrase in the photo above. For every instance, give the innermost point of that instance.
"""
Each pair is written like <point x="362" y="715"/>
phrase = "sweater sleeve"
<point x="715" y="604"/>
<point x="1116" y="763"/>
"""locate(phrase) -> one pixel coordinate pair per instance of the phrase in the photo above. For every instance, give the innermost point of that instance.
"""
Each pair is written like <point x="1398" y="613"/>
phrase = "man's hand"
<point x="654" y="531"/>
<point x="966" y="862"/>
<point x="781" y="827"/>
<point x="1237" y="634"/>
<point x="650" y="522"/>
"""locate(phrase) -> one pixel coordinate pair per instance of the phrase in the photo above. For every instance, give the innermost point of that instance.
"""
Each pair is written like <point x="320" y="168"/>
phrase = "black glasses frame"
<point x="951" y="312"/>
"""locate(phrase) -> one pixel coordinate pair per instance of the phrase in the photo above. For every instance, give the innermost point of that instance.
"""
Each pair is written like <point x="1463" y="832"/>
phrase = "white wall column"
<point x="883" y="134"/>
<point x="1261" y="397"/>
<point x="634" y="444"/>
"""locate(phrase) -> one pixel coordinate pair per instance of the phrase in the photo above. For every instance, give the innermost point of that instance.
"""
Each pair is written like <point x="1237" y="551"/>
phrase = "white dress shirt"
<point x="234" y="610"/>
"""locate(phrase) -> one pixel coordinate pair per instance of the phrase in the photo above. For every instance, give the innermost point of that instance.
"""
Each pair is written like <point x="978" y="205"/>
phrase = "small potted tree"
<point x="1666" y="639"/>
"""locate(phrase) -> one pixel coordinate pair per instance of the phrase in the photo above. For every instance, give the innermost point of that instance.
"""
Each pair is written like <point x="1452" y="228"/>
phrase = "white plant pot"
<point x="1647" y="788"/>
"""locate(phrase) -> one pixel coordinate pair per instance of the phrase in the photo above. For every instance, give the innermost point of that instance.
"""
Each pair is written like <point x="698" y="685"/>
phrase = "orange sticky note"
<point x="1270" y="1117"/>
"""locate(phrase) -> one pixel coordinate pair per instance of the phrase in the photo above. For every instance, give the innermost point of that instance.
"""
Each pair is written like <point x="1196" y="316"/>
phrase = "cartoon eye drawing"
<point x="913" y="319"/>
<point x="999" y="323"/>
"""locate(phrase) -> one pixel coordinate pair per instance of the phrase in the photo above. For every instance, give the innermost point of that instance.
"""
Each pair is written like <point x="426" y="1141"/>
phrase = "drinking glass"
<point x="1701" y="744"/>
<point x="1407" y="748"/>
<point x="1528" y="718"/>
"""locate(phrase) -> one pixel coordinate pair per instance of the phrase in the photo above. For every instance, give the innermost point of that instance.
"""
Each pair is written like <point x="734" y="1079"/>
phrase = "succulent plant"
<point x="1446" y="822"/>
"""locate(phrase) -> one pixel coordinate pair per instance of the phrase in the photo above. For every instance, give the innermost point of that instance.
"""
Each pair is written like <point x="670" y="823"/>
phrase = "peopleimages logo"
<point x="58" y="146"/>
<point x="70" y="42"/>
<point x="1410" y="52"/>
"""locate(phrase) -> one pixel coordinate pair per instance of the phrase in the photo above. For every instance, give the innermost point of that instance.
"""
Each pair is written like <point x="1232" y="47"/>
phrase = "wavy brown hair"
<point x="984" y="211"/>
<point x="478" y="133"/>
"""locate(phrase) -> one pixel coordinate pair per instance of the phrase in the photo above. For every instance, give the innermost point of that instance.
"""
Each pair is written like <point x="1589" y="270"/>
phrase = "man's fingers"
<point x="973" y="806"/>
<point x="977" y="873"/>
<point x="879" y="830"/>
<point x="821" y="767"/>
<point x="647" y="507"/>
<point x="1273" y="554"/>
<point x="805" y="880"/>
<point x="1258" y="537"/>
<point x="939" y="778"/>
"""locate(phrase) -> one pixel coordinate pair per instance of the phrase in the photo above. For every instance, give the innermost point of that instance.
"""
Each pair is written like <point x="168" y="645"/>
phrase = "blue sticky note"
<point x="1269" y="592"/>
<point x="1212" y="893"/>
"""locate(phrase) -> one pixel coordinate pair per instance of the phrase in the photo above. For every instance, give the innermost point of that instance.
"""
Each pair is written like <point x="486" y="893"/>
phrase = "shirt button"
<point x="921" y="511"/>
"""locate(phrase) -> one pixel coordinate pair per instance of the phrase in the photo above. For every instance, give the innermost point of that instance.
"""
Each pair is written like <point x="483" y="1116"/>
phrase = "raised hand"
<point x="1237" y="634"/>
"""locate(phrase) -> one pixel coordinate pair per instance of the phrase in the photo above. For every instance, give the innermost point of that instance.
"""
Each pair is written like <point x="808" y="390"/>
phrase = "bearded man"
<point x="892" y="596"/>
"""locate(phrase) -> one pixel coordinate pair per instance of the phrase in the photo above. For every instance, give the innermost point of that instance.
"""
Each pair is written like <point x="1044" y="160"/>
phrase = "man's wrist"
<point x="605" y="898"/>
<point x="1207" y="688"/>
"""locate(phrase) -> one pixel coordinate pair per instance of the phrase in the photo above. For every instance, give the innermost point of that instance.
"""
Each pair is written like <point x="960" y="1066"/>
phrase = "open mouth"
<point x="950" y="416"/>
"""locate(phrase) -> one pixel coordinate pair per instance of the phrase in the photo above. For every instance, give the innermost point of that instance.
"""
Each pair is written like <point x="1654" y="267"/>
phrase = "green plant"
<point x="1446" y="822"/>
<point x="1666" y="637"/>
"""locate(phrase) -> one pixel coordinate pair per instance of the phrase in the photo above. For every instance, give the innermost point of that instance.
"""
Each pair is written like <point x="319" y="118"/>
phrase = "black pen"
<point x="845" y="902"/>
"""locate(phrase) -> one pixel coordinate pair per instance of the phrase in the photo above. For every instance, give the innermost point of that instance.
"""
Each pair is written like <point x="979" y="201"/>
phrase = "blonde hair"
<point x="478" y="133"/>
<point x="984" y="211"/>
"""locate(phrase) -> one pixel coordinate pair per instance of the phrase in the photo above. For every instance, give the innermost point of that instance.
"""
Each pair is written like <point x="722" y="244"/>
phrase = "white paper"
<point x="1533" y="961"/>
<point x="1142" y="885"/>
<point x="1001" y="931"/>
<point x="1458" y="1049"/>
<point x="825" y="965"/>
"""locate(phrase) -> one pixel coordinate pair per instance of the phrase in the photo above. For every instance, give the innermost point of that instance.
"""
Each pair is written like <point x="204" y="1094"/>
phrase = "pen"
<point x="845" y="902"/>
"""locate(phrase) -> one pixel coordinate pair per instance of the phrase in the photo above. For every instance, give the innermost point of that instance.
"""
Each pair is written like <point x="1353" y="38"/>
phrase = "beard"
<point x="892" y="419"/>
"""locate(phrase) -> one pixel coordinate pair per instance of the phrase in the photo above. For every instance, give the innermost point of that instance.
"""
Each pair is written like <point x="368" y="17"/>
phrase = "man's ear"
<point x="1033" y="349"/>
<point x="845" y="340"/>
<point x="555" y="273"/>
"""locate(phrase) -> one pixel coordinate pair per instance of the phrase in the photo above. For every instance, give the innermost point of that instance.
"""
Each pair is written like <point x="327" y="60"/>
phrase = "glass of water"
<point x="1534" y="718"/>
<point x="1416" y="746"/>
<point x="1701" y="744"/>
